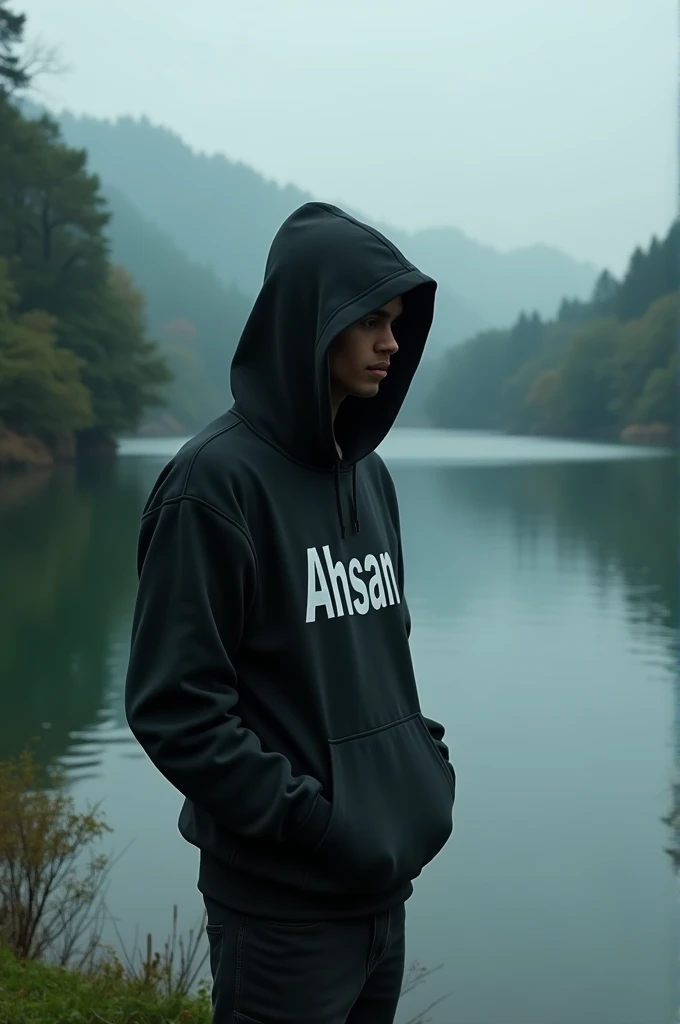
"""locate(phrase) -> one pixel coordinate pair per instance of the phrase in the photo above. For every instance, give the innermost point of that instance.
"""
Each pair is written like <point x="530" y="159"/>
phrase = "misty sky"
<point x="518" y="121"/>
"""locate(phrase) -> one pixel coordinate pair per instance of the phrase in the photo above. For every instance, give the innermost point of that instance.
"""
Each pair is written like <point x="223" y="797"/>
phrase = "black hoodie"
<point x="270" y="678"/>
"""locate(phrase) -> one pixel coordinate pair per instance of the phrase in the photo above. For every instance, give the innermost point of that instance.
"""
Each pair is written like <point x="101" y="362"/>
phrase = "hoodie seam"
<point x="178" y="498"/>
<point x="341" y="215"/>
<point x="373" y="288"/>
<point x="327" y="470"/>
<point x="217" y="433"/>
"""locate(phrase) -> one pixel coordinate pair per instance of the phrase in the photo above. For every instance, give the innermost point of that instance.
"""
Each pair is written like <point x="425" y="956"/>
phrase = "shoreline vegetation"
<point x="32" y="992"/>
<point x="605" y="369"/>
<point x="54" y="966"/>
<point x="25" y="452"/>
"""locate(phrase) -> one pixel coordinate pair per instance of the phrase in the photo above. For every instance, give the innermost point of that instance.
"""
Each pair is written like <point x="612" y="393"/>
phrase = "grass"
<point x="33" y="993"/>
<point x="36" y="993"/>
<point x="54" y="968"/>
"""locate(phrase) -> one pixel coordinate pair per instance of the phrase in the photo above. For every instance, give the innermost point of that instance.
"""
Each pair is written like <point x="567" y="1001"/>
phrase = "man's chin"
<point x="366" y="391"/>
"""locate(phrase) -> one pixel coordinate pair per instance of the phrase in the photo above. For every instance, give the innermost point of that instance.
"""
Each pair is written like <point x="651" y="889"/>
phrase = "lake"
<point x="542" y="581"/>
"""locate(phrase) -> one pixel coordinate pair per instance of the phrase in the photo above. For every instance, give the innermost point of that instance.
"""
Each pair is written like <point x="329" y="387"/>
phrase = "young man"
<point x="270" y="678"/>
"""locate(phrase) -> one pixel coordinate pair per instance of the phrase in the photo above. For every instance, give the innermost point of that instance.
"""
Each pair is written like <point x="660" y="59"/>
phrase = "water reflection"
<point x="67" y="551"/>
<point x="67" y="562"/>
<point x="620" y="515"/>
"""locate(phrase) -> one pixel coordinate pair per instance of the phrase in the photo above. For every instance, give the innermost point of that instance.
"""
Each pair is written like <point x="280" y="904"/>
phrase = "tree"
<point x="669" y="269"/>
<point x="634" y="295"/>
<point x="41" y="390"/>
<point x="52" y="217"/>
<point x="12" y="74"/>
<point x="649" y="276"/>
<point x="48" y="904"/>
<point x="467" y="393"/>
<point x="587" y="385"/>
<point x="605" y="294"/>
<point x="545" y="398"/>
<point x="658" y="402"/>
<point x="121" y="366"/>
<point x="525" y="341"/>
<point x="21" y="64"/>
<point x="83" y="319"/>
<point x="516" y="413"/>
<point x="642" y="369"/>
<point x="572" y="311"/>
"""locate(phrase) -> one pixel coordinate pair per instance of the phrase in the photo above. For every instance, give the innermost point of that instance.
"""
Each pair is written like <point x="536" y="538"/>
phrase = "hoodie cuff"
<point x="315" y="826"/>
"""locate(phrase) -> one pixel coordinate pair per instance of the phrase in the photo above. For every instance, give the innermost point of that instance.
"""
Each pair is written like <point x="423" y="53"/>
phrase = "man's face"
<point x="359" y="358"/>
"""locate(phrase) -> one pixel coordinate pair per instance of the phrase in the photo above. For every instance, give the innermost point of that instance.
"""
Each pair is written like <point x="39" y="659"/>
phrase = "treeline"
<point x="606" y="368"/>
<point x="76" y="364"/>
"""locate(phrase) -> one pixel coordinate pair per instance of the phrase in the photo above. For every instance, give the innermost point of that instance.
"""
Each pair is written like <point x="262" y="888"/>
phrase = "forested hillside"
<point x="224" y="214"/>
<point x="196" y="319"/>
<point x="602" y="368"/>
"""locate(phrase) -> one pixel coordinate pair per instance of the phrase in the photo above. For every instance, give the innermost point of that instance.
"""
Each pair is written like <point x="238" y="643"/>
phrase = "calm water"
<point x="542" y="580"/>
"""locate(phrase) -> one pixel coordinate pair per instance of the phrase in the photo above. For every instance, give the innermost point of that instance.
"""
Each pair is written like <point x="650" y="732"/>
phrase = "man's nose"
<point x="388" y="343"/>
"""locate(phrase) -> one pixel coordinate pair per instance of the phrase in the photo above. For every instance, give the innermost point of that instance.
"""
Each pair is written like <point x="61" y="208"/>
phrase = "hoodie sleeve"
<point x="436" y="731"/>
<point x="197" y="579"/>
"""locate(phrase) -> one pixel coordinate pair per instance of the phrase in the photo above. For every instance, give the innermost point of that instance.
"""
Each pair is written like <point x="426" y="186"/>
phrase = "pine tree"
<point x="13" y="75"/>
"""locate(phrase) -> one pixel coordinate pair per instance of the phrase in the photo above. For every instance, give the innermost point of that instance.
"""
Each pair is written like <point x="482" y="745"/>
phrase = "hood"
<point x="325" y="271"/>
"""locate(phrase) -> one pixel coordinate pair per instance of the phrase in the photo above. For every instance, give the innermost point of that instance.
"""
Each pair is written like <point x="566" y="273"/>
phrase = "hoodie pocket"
<point x="392" y="810"/>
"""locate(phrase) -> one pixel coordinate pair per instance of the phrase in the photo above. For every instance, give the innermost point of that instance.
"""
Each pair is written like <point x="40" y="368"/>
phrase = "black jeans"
<point x="323" y="972"/>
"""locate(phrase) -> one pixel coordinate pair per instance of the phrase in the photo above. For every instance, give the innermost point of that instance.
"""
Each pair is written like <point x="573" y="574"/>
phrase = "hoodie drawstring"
<point x="355" y="506"/>
<point x="338" y="501"/>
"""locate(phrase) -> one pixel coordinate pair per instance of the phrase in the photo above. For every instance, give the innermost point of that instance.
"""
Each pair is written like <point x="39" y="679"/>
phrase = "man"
<point x="270" y="678"/>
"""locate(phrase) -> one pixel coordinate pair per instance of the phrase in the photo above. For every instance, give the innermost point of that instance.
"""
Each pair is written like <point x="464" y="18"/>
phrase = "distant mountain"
<point x="196" y="319"/>
<point x="225" y="214"/>
<point x="501" y="285"/>
<point x="194" y="231"/>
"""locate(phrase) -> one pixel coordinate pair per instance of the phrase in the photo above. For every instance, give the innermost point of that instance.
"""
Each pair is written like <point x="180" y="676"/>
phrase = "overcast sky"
<point x="518" y="121"/>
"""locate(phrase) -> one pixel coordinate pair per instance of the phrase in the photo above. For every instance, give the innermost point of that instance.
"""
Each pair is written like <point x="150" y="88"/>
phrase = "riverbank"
<point x="26" y="451"/>
<point x="646" y="434"/>
<point x="649" y="434"/>
<point x="33" y="993"/>
<point x="19" y="452"/>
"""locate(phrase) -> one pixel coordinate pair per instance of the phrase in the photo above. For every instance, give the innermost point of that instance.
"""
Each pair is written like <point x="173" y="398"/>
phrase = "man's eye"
<point x="370" y="323"/>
